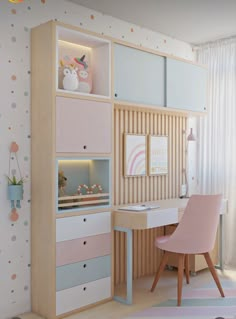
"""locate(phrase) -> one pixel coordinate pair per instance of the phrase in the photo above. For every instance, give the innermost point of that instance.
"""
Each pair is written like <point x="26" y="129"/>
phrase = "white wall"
<point x="16" y="21"/>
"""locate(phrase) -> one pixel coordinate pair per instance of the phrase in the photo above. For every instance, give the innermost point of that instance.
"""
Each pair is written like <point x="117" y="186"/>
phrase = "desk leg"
<point x="129" y="267"/>
<point x="221" y="243"/>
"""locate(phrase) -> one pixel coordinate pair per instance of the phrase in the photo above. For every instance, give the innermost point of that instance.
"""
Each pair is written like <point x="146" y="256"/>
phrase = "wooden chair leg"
<point x="186" y="267"/>
<point x="213" y="272"/>
<point x="160" y="270"/>
<point x="180" y="277"/>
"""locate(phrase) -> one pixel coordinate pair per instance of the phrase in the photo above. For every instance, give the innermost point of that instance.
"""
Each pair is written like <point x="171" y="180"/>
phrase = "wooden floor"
<point x="143" y="298"/>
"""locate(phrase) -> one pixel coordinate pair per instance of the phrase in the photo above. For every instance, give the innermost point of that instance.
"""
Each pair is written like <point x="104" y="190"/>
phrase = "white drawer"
<point x="68" y="228"/>
<point x="83" y="295"/>
<point x="162" y="217"/>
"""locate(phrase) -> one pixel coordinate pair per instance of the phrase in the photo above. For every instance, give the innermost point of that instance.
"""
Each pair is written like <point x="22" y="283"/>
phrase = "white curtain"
<point x="217" y="134"/>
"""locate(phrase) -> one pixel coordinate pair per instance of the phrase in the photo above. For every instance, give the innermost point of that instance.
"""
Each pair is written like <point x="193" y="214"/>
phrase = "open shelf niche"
<point x="83" y="184"/>
<point x="90" y="57"/>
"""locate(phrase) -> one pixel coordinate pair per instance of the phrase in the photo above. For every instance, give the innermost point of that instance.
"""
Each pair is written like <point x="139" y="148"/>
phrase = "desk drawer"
<point x="161" y="218"/>
<point x="82" y="226"/>
<point x="83" y="295"/>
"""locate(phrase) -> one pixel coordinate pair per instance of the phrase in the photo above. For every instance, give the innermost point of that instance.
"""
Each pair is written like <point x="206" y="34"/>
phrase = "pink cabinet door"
<point x="83" y="126"/>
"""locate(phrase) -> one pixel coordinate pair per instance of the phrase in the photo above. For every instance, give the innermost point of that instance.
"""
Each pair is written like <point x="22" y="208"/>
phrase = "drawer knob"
<point x="85" y="147"/>
<point x="85" y="265"/>
<point x="116" y="94"/>
<point x="85" y="219"/>
<point x="84" y="288"/>
<point x="85" y="242"/>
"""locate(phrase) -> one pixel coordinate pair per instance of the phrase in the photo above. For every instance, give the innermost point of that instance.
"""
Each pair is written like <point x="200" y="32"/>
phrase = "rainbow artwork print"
<point x="135" y="155"/>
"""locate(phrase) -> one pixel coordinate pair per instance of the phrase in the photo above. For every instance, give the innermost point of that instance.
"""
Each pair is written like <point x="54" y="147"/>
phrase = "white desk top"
<point x="170" y="212"/>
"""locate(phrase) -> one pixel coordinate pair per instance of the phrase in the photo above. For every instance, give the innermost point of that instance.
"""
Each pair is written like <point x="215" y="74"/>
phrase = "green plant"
<point x="14" y="181"/>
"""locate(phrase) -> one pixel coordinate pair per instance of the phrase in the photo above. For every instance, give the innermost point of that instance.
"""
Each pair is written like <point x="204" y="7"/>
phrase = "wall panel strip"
<point x="146" y="188"/>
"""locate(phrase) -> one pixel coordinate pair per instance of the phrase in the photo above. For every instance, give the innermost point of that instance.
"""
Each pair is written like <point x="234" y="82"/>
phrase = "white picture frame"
<point x="158" y="155"/>
<point x="135" y="155"/>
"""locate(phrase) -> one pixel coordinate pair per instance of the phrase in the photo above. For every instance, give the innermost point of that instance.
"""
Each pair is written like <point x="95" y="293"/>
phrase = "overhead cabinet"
<point x="146" y="78"/>
<point x="186" y="85"/>
<point x="139" y="76"/>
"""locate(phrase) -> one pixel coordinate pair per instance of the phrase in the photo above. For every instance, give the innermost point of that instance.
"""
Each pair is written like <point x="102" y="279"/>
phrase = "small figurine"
<point x="62" y="182"/>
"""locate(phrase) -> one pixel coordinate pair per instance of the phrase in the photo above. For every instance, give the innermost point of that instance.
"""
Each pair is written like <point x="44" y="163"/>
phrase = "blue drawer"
<point x="76" y="274"/>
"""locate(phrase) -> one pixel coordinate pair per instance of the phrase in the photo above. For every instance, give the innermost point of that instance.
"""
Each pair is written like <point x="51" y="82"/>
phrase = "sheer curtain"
<point x="217" y="134"/>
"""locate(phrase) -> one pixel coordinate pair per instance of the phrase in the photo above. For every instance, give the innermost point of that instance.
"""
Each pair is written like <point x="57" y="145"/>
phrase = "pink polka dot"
<point x="13" y="277"/>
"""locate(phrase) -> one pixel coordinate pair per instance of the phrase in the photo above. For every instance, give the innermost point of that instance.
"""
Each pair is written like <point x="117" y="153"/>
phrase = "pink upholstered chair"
<point x="195" y="234"/>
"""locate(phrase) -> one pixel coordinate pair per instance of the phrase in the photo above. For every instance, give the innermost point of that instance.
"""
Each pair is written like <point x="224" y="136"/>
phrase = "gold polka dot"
<point x="43" y="1"/>
<point x="132" y="30"/>
<point x="13" y="77"/>
<point x="92" y="17"/>
<point x="13" y="11"/>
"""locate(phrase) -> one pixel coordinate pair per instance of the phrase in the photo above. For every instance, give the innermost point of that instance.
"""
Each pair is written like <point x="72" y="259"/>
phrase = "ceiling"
<point x="192" y="21"/>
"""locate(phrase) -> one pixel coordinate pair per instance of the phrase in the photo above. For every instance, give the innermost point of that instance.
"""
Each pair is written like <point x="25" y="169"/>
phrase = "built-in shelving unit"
<point x="73" y="129"/>
<point x="72" y="136"/>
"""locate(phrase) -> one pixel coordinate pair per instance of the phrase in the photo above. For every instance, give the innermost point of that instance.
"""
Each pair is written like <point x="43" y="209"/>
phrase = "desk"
<point x="170" y="212"/>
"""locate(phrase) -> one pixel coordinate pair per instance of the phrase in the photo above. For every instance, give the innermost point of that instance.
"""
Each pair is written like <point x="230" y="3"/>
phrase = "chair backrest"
<point x="196" y="232"/>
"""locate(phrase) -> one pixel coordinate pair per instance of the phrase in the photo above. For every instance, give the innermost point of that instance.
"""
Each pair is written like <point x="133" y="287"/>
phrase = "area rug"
<point x="200" y="303"/>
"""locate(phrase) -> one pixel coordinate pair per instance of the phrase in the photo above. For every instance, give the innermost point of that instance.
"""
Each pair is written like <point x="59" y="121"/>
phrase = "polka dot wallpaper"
<point x="16" y="21"/>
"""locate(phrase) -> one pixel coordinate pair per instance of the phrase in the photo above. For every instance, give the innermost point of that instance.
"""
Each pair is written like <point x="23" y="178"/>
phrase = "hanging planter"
<point x="15" y="186"/>
<point x="15" y="194"/>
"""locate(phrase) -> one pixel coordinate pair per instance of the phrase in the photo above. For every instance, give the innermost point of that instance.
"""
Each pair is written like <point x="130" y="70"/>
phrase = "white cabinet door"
<point x="83" y="126"/>
<point x="139" y="76"/>
<point x="186" y="85"/>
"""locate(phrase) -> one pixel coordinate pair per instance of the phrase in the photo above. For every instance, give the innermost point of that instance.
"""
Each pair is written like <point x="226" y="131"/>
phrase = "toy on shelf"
<point x="68" y="77"/>
<point x="62" y="182"/>
<point x="84" y="74"/>
<point x="83" y="189"/>
<point x="15" y="185"/>
<point x="96" y="188"/>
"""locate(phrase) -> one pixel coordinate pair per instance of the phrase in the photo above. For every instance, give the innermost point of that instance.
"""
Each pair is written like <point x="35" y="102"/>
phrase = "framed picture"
<point x="158" y="155"/>
<point x="135" y="150"/>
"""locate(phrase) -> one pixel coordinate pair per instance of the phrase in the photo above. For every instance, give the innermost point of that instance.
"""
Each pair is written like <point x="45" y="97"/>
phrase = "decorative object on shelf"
<point x="84" y="74"/>
<point x="67" y="76"/>
<point x="135" y="163"/>
<point x="15" y="186"/>
<point x="83" y="189"/>
<point x="96" y="188"/>
<point x="158" y="155"/>
<point x="62" y="182"/>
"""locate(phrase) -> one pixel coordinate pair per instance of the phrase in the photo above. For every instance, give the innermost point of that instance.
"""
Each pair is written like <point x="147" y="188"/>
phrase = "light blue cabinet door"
<point x="186" y="85"/>
<point x="139" y="76"/>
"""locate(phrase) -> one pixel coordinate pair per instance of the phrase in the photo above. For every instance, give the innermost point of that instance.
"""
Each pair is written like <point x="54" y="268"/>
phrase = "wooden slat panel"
<point x="138" y="189"/>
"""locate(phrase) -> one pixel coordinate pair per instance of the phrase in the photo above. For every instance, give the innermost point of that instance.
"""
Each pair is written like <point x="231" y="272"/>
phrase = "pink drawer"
<point x="71" y="251"/>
